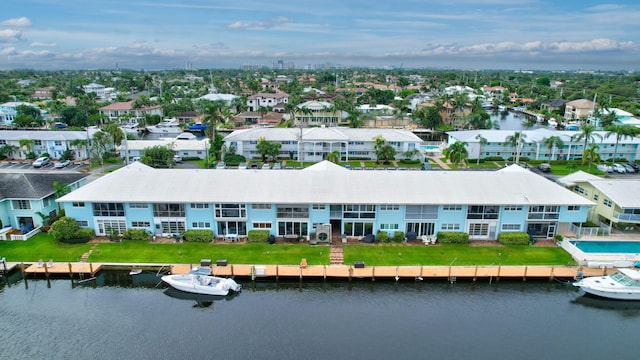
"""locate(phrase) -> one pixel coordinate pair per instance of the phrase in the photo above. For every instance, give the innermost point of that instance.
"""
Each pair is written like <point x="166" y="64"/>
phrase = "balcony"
<point x="632" y="218"/>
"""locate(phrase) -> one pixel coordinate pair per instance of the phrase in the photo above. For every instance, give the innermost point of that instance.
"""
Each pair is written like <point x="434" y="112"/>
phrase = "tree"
<point x="482" y="141"/>
<point x="158" y="156"/>
<point x="334" y="156"/>
<point x="213" y="116"/>
<point x="588" y="133"/>
<point x="115" y="133"/>
<point x="64" y="229"/>
<point x="552" y="143"/>
<point x="428" y="117"/>
<point x="264" y="148"/>
<point x="27" y="144"/>
<point x="621" y="132"/>
<point x="457" y="152"/>
<point x="354" y="118"/>
<point x="6" y="151"/>
<point x="384" y="151"/>
<point x="99" y="145"/>
<point x="516" y="140"/>
<point x="591" y="153"/>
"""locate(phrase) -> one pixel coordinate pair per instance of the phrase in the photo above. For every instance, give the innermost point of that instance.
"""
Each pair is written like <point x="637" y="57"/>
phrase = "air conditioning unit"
<point x="323" y="233"/>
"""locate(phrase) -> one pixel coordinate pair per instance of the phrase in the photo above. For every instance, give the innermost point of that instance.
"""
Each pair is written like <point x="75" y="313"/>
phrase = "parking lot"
<point x="26" y="165"/>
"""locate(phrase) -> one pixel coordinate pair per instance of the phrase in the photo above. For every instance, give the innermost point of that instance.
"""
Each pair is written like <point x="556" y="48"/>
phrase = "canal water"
<point x="513" y="121"/>
<point x="123" y="317"/>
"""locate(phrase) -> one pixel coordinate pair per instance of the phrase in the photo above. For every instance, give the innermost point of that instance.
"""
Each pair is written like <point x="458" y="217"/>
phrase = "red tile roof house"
<point x="116" y="110"/>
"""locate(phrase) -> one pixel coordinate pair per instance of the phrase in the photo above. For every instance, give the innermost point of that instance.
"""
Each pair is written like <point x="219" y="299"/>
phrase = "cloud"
<point x="19" y="22"/>
<point x="10" y="36"/>
<point x="41" y="44"/>
<point x="268" y="24"/>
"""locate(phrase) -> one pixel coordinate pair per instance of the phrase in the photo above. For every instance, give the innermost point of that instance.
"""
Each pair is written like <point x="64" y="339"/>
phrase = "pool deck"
<point x="329" y="271"/>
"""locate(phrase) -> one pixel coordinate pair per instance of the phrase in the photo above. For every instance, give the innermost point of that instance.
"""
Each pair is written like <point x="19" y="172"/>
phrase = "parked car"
<point x="41" y="161"/>
<point x="177" y="158"/>
<point x="266" y="166"/>
<point x="619" y="168"/>
<point x="605" y="168"/>
<point x="629" y="168"/>
<point x="635" y="166"/>
<point x="62" y="164"/>
<point x="221" y="165"/>
<point x="544" y="167"/>
<point x="242" y="165"/>
<point x="277" y="166"/>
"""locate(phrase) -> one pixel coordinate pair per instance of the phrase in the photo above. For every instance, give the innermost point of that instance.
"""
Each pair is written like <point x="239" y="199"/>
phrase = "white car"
<point x="62" y="164"/>
<point x="41" y="161"/>
<point x="619" y="168"/>
<point x="177" y="158"/>
<point x="605" y="168"/>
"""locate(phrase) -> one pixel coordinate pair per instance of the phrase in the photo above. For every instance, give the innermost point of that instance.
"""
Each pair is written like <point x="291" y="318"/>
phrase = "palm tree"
<point x="213" y="115"/>
<point x="481" y="142"/>
<point x="621" y="132"/>
<point x="334" y="156"/>
<point x="592" y="154"/>
<point x="378" y="145"/>
<point x="516" y="140"/>
<point x="552" y="143"/>
<point x="115" y="133"/>
<point x="588" y="133"/>
<point x="27" y="144"/>
<point x="79" y="143"/>
<point x="456" y="152"/>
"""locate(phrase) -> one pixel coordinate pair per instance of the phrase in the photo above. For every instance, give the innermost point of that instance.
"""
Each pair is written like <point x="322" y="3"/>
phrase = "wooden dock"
<point x="62" y="268"/>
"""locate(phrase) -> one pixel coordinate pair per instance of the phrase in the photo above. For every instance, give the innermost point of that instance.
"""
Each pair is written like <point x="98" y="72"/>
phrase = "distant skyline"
<point x="465" y="34"/>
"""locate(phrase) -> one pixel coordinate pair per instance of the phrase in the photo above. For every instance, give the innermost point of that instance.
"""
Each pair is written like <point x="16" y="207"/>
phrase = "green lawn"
<point x="463" y="255"/>
<point x="42" y="246"/>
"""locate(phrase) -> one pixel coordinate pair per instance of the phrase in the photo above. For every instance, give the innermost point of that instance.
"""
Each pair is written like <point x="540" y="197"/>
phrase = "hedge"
<point x="258" y="235"/>
<point x="398" y="236"/>
<point x="198" y="235"/>
<point x="453" y="237"/>
<point x="514" y="238"/>
<point x="135" y="234"/>
<point x="80" y="236"/>
<point x="382" y="236"/>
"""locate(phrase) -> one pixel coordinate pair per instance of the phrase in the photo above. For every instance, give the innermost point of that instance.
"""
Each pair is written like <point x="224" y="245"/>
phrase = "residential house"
<point x="353" y="202"/>
<point x="26" y="199"/>
<point x="43" y="93"/>
<point x="184" y="148"/>
<point x="256" y="101"/>
<point x="316" y="143"/>
<point x="8" y="111"/>
<point x="318" y="113"/>
<point x="102" y="92"/>
<point x="123" y="112"/>
<point x="578" y="109"/>
<point x="554" y="105"/>
<point x="54" y="143"/>
<point x="251" y="118"/>
<point x="226" y="98"/>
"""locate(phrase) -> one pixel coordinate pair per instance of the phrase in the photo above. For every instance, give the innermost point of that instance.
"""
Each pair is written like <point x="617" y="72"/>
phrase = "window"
<point x="292" y="228"/>
<point x="261" y="206"/>
<point x="199" y="206"/>
<point x="451" y="207"/>
<point x="106" y="227"/>
<point x="573" y="208"/>
<point x="595" y="197"/>
<point x="421" y="228"/>
<point x="358" y="228"/>
<point x="172" y="227"/>
<point x="262" y="225"/>
<point x="510" y="227"/>
<point x="318" y="206"/>
<point x="21" y="204"/>
<point x="421" y="212"/>
<point x="77" y="204"/>
<point x="201" y="225"/>
<point x="82" y="223"/>
<point x="57" y="143"/>
<point x="37" y="142"/>
<point x="450" y="227"/>
<point x="139" y="205"/>
<point x="46" y="201"/>
<point x="513" y="208"/>
<point x="232" y="227"/>
<point x="581" y="190"/>
<point x="541" y="212"/>
<point x="3" y="142"/>
<point x="168" y="210"/>
<point x="482" y="212"/>
<point x="478" y="229"/>
<point x="53" y="213"/>
<point x="230" y="211"/>
<point x="293" y="212"/>
<point x="389" y="226"/>
<point x="607" y="202"/>
<point x="389" y="207"/>
<point x="108" y="209"/>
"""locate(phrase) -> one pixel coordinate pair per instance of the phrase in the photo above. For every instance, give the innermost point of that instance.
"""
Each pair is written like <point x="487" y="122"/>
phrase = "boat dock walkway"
<point x="326" y="271"/>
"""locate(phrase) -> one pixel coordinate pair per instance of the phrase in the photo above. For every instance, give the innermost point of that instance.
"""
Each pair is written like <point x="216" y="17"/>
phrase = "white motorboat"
<point x="131" y="128"/>
<point x="624" y="284"/>
<point x="186" y="136"/>
<point x="198" y="281"/>
<point x="553" y="123"/>
<point x="165" y="127"/>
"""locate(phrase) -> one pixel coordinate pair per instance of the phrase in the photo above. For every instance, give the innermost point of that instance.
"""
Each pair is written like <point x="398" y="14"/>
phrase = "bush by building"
<point x="453" y="237"/>
<point x="513" y="238"/>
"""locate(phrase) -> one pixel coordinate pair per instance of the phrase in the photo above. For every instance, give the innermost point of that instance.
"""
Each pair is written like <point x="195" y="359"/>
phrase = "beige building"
<point x="578" y="109"/>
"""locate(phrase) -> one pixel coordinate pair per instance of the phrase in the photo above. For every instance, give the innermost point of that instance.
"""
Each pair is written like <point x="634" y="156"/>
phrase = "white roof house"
<point x="325" y="183"/>
<point x="192" y="148"/>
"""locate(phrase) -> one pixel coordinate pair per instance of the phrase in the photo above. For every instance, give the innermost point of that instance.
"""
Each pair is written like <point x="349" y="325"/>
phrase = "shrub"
<point x="64" y="229"/>
<point x="398" y="236"/>
<point x="135" y="234"/>
<point x="382" y="237"/>
<point x="453" y="237"/>
<point x="233" y="159"/>
<point x="258" y="235"/>
<point x="198" y="235"/>
<point x="409" y="161"/>
<point x="83" y="235"/>
<point x="513" y="238"/>
<point x="494" y="158"/>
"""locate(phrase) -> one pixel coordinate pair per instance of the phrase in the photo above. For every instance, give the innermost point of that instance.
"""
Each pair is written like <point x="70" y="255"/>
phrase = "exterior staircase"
<point x="336" y="257"/>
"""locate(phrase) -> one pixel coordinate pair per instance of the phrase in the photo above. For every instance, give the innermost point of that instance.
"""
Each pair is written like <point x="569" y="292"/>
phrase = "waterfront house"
<point x="578" y="109"/>
<point x="256" y="101"/>
<point x="26" y="198"/>
<point x="353" y="203"/>
<point x="123" y="112"/>
<point x="54" y="143"/>
<point x="8" y="111"/>
<point x="318" y="113"/>
<point x="316" y="143"/>
<point x="534" y="148"/>
<point x="184" y="148"/>
<point x="617" y="201"/>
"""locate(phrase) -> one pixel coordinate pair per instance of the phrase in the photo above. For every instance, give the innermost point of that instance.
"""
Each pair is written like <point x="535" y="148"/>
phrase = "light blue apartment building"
<point x="325" y="196"/>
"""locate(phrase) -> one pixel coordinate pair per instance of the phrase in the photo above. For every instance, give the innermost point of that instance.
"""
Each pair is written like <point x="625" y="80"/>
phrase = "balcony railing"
<point x="627" y="217"/>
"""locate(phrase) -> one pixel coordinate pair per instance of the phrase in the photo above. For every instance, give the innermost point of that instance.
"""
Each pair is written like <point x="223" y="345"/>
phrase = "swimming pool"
<point x="429" y="147"/>
<point x="608" y="247"/>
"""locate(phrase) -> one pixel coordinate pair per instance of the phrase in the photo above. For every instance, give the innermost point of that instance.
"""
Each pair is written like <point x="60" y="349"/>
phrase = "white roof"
<point x="536" y="135"/>
<point x="325" y="183"/>
<point x="214" y="97"/>
<point x="322" y="134"/>
<point x="624" y="192"/>
<point x="17" y="135"/>
<point x="576" y="177"/>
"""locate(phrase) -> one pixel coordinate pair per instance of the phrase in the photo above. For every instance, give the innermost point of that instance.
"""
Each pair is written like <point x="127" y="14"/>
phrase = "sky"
<point x="444" y="34"/>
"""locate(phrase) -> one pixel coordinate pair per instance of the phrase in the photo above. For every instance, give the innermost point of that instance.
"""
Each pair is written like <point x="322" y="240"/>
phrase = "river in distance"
<point x="119" y="316"/>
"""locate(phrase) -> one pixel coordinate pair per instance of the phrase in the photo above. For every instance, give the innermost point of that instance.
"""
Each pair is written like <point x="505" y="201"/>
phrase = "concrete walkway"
<point x="439" y="162"/>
